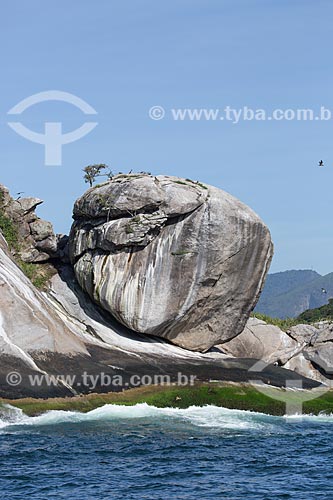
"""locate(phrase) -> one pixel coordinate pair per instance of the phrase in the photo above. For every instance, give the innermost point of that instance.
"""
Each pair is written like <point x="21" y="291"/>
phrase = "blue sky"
<point x="124" y="57"/>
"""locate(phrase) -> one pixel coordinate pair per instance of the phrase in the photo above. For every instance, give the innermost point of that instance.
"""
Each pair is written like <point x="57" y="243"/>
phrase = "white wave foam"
<point x="321" y="417"/>
<point x="207" y="416"/>
<point x="212" y="417"/>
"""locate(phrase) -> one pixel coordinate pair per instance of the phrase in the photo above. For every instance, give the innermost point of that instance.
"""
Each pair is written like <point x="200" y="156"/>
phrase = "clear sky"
<point x="124" y="57"/>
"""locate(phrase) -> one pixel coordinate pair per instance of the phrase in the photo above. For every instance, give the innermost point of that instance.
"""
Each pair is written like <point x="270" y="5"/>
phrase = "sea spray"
<point x="209" y="416"/>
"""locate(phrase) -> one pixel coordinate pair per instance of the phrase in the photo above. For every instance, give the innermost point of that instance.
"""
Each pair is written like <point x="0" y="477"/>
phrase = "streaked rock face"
<point x="170" y="257"/>
<point x="27" y="322"/>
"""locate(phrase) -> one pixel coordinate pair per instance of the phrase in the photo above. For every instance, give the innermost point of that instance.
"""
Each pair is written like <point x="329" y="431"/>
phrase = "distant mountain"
<point x="289" y="293"/>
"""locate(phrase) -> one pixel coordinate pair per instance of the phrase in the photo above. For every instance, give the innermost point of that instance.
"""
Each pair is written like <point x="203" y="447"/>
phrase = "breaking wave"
<point x="206" y="416"/>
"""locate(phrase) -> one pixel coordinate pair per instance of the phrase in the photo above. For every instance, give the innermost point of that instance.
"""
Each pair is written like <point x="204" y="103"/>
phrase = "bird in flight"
<point x="321" y="163"/>
<point x="323" y="290"/>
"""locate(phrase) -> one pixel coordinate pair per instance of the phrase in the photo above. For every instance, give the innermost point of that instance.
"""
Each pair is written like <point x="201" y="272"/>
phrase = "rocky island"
<point x="158" y="276"/>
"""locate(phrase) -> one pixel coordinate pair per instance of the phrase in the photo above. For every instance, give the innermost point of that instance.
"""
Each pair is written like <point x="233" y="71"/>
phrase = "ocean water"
<point x="142" y="452"/>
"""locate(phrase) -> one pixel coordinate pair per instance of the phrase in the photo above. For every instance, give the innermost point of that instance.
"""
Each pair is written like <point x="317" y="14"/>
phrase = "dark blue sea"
<point x="145" y="453"/>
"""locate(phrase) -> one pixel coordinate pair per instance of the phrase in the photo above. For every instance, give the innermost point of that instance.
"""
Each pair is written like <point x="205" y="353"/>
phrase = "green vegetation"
<point x="91" y="172"/>
<point x="129" y="229"/>
<point x="283" y="324"/>
<point x="241" y="397"/>
<point x="181" y="252"/>
<point x="310" y="316"/>
<point x="197" y="183"/>
<point x="130" y="176"/>
<point x="8" y="227"/>
<point x="38" y="274"/>
<point x="104" y="200"/>
<point x="319" y="314"/>
<point x="9" y="231"/>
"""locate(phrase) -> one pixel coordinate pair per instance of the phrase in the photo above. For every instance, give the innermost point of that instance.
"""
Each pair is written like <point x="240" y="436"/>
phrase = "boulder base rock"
<point x="170" y="257"/>
<point x="304" y="349"/>
<point x="63" y="337"/>
<point x="262" y="341"/>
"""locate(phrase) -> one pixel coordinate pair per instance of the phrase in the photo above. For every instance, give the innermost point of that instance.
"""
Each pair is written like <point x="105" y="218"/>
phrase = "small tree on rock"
<point x="91" y="172"/>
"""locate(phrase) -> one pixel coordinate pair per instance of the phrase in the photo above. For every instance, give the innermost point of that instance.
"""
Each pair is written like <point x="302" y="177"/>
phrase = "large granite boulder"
<point x="170" y="257"/>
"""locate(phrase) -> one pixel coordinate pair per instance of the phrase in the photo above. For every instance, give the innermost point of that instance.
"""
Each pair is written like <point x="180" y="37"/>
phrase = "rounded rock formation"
<point x="170" y="257"/>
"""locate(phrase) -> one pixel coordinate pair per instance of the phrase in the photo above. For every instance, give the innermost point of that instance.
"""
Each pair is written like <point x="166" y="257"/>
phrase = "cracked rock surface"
<point x="170" y="257"/>
<point x="36" y="239"/>
<point x="305" y="349"/>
